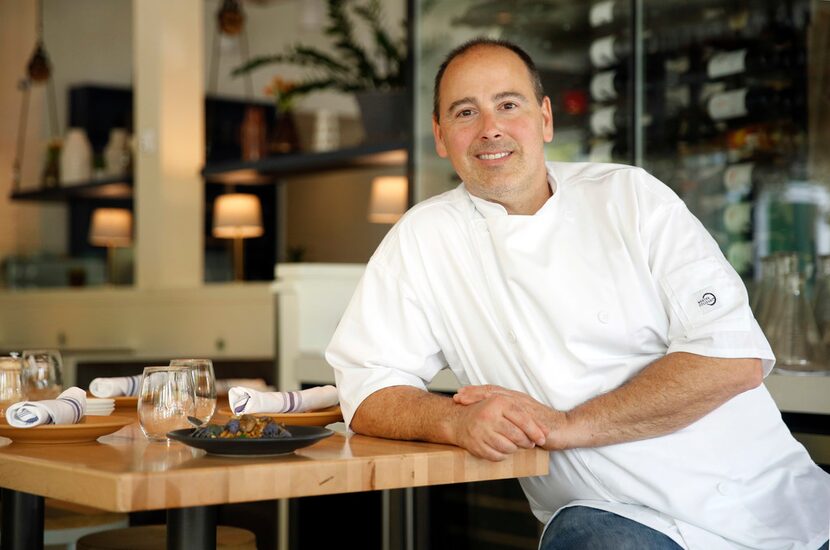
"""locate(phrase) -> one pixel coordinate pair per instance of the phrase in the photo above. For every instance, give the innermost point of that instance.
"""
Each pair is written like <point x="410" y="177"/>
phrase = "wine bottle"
<point x="752" y="59"/>
<point x="737" y="217"/>
<point x="611" y="120"/>
<point x="609" y="85"/>
<point x="742" y="177"/>
<point x="743" y="102"/>
<point x="608" y="51"/>
<point x="618" y="12"/>
<point x="607" y="12"/>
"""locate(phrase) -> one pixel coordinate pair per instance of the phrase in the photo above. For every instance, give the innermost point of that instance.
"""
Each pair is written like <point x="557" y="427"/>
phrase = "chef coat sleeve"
<point x="704" y="297"/>
<point x="383" y="339"/>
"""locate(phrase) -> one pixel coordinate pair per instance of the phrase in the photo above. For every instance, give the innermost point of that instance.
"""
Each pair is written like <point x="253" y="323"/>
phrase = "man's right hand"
<point x="496" y="427"/>
<point x="492" y="427"/>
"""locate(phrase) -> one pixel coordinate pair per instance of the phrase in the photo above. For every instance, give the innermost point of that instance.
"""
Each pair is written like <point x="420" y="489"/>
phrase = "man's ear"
<point x="439" y="141"/>
<point x="547" y="120"/>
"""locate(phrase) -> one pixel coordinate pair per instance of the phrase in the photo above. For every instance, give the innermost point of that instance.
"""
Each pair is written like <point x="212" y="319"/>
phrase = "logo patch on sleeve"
<point x="707" y="299"/>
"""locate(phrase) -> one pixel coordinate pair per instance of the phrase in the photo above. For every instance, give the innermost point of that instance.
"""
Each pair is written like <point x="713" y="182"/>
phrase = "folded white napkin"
<point x="224" y="385"/>
<point x="99" y="407"/>
<point x="115" y="387"/>
<point x="68" y="408"/>
<point x="247" y="400"/>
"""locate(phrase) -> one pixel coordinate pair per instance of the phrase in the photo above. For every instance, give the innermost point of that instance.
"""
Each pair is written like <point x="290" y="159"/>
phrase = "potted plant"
<point x="376" y="75"/>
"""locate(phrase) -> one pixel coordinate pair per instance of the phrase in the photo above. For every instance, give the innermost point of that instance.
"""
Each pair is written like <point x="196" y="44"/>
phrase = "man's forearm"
<point x="669" y="394"/>
<point x="492" y="429"/>
<point x="404" y="412"/>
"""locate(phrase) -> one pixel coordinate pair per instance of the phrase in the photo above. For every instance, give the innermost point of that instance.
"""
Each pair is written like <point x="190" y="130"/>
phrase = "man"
<point x="586" y="311"/>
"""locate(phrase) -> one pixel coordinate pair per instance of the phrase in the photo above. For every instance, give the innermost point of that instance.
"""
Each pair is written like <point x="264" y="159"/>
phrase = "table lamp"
<point x="237" y="216"/>
<point x="387" y="202"/>
<point x="111" y="227"/>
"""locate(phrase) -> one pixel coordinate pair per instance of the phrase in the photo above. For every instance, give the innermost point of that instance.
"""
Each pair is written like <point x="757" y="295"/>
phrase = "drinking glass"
<point x="11" y="382"/>
<point x="165" y="400"/>
<point x="204" y="386"/>
<point x="42" y="373"/>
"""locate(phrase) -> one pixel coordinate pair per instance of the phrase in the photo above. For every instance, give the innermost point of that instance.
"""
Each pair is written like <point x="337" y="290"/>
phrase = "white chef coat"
<point x="612" y="273"/>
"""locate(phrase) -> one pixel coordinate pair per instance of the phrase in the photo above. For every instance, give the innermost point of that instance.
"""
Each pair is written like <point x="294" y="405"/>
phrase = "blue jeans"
<point x="585" y="528"/>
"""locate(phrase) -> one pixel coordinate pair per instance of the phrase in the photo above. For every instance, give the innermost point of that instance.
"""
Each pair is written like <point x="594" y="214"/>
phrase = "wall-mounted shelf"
<point x="113" y="187"/>
<point x="265" y="170"/>
<point x="235" y="172"/>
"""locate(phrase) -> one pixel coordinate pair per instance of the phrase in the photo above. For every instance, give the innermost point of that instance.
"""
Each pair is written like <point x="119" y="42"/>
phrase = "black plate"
<point x="301" y="436"/>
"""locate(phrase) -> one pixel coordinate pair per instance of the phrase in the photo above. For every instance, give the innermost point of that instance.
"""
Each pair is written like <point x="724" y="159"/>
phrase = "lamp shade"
<point x="237" y="216"/>
<point x="111" y="227"/>
<point x="388" y="200"/>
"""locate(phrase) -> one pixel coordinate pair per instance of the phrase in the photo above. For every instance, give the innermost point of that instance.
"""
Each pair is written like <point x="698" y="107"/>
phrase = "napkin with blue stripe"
<point x="68" y="408"/>
<point x="248" y="400"/>
<point x="116" y="386"/>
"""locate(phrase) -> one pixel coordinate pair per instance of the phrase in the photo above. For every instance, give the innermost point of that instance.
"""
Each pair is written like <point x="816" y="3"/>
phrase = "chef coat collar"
<point x="489" y="209"/>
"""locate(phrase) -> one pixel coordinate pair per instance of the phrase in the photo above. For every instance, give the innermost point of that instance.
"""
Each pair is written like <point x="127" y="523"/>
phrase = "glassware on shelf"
<point x="793" y="334"/>
<point x="821" y="299"/>
<point x="783" y="263"/>
<point x="765" y="288"/>
<point x="76" y="157"/>
<point x="117" y="156"/>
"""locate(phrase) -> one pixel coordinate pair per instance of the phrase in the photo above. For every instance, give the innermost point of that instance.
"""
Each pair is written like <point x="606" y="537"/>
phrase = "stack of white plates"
<point x="99" y="407"/>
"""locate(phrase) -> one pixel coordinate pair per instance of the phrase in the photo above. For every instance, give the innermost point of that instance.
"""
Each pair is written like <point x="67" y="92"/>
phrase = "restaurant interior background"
<point x="732" y="110"/>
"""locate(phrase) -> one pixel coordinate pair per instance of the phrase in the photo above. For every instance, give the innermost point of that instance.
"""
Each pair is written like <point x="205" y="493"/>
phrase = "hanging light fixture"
<point x="38" y="71"/>
<point x="230" y="17"/>
<point x="230" y="22"/>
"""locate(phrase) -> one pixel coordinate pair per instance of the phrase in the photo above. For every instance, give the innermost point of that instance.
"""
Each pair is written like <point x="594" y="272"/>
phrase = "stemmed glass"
<point x="204" y="386"/>
<point x="11" y="382"/>
<point x="42" y="373"/>
<point x="165" y="400"/>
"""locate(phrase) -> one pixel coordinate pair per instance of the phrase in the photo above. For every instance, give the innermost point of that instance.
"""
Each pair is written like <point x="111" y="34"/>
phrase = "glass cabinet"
<point x="723" y="100"/>
<point x="726" y="101"/>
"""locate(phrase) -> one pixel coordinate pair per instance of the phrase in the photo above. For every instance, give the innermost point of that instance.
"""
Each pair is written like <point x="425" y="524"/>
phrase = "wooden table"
<point x="124" y="472"/>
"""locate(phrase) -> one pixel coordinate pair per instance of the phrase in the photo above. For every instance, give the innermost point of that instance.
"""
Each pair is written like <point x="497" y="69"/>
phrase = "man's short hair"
<point x="533" y="72"/>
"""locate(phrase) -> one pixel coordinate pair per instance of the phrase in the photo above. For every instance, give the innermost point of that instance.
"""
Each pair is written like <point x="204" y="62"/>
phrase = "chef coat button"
<point x="512" y="336"/>
<point x="724" y="488"/>
<point x="603" y="317"/>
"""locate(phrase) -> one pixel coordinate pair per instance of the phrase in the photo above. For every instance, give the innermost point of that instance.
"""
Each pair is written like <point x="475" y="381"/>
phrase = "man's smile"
<point x="493" y="156"/>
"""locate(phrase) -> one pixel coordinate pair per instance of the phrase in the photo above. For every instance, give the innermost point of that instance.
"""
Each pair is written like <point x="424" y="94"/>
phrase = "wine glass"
<point x="42" y="373"/>
<point x="11" y="382"/>
<point x="165" y="400"/>
<point x="204" y="386"/>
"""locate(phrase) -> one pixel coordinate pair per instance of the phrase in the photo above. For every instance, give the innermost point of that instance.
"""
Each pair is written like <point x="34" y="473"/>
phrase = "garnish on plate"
<point x="246" y="426"/>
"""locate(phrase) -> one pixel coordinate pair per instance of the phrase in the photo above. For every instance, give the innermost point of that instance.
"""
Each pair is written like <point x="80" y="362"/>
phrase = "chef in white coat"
<point x="585" y="311"/>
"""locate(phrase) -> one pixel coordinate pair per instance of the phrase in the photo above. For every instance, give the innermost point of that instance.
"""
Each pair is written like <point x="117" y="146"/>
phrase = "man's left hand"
<point x="554" y="420"/>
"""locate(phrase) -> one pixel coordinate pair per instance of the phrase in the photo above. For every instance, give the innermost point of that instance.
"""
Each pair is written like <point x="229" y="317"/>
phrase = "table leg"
<point x="191" y="528"/>
<point x="22" y="523"/>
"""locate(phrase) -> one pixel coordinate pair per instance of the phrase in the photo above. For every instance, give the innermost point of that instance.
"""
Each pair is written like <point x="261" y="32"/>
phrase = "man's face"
<point x="491" y="126"/>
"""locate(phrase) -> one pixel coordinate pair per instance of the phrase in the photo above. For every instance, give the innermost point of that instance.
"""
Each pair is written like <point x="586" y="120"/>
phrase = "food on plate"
<point x="246" y="426"/>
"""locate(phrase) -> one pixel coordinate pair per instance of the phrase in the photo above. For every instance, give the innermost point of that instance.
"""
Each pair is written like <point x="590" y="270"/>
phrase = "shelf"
<point x="114" y="187"/>
<point x="265" y="170"/>
<point x="235" y="172"/>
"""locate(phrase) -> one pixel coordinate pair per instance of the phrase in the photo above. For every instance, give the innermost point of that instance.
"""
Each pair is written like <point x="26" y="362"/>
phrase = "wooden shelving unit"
<point x="267" y="170"/>
<point x="115" y="187"/>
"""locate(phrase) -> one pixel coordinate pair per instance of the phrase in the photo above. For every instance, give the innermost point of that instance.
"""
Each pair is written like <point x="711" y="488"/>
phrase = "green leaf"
<point x="355" y="68"/>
